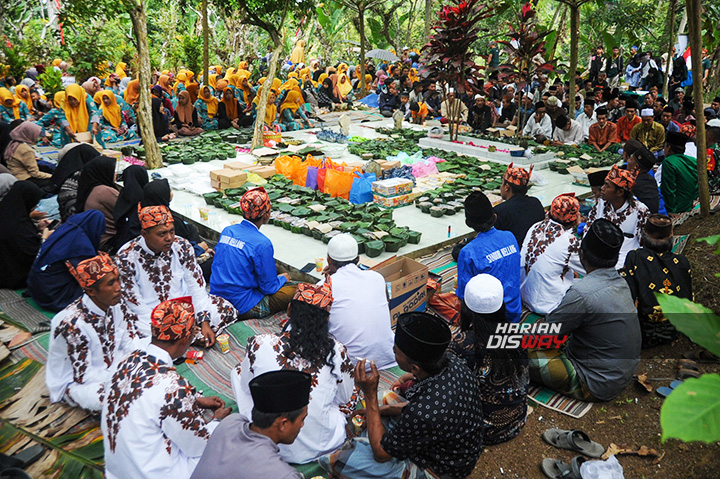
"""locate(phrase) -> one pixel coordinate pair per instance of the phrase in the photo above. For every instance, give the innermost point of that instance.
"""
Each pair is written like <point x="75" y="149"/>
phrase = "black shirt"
<point x="518" y="214"/>
<point x="441" y="428"/>
<point x="646" y="190"/>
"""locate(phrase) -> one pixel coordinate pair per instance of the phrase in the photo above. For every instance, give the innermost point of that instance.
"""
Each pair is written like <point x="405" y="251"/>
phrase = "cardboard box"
<point x="394" y="201"/>
<point x="392" y="187"/>
<point x="227" y="178"/>
<point x="237" y="165"/>
<point x="406" y="282"/>
<point x="387" y="165"/>
<point x="262" y="171"/>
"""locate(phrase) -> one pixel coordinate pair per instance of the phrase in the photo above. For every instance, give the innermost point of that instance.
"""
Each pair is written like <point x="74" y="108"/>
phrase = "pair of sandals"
<point x="574" y="440"/>
<point x="11" y="467"/>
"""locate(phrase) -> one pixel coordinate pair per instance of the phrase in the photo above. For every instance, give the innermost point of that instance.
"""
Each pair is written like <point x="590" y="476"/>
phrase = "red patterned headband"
<point x="152" y="216"/>
<point x="319" y="296"/>
<point x="517" y="176"/>
<point x="255" y="203"/>
<point x="565" y="208"/>
<point x="622" y="178"/>
<point x="92" y="270"/>
<point x="173" y="319"/>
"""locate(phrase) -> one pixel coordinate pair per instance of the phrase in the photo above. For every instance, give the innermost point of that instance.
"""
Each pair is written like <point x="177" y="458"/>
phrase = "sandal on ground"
<point x="701" y="356"/>
<point x="688" y="364"/>
<point x="557" y="469"/>
<point x="684" y="373"/>
<point x="574" y="440"/>
<point x="665" y="391"/>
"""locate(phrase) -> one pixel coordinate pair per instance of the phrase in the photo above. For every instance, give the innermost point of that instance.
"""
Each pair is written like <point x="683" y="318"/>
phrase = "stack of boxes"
<point x="393" y="192"/>
<point x="260" y="170"/>
<point x="227" y="178"/>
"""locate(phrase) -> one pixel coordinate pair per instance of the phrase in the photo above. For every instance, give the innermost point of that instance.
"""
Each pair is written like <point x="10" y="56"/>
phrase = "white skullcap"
<point x="553" y="101"/>
<point x="342" y="247"/>
<point x="647" y="112"/>
<point x="478" y="96"/>
<point x="451" y="90"/>
<point x="714" y="123"/>
<point x="484" y="294"/>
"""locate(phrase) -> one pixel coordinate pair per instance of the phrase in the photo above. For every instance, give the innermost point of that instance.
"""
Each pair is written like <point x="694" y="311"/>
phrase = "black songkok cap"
<point x="658" y="227"/>
<point x="597" y="178"/>
<point x="279" y="392"/>
<point x="478" y="209"/>
<point x="603" y="240"/>
<point x="645" y="158"/>
<point x="676" y="138"/>
<point x="422" y="337"/>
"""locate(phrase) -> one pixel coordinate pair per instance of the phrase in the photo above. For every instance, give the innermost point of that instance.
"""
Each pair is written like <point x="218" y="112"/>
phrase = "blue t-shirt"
<point x="495" y="253"/>
<point x="243" y="271"/>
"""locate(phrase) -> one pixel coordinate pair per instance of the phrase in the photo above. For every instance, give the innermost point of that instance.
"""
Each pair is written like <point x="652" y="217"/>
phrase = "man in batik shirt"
<point x="157" y="266"/>
<point x="152" y="419"/>
<point x="550" y="256"/>
<point x="518" y="212"/>
<point x="89" y="337"/>
<point x="618" y="205"/>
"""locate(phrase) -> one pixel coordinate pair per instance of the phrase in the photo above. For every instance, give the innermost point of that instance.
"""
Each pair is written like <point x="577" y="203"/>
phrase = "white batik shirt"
<point x="333" y="396"/>
<point x="149" y="278"/>
<point x="629" y="218"/>
<point x="86" y="344"/>
<point x="548" y="259"/>
<point x="152" y="427"/>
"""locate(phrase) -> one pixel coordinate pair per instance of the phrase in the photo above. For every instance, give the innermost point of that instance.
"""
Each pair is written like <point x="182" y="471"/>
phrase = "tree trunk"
<point x="428" y="17"/>
<point x="262" y="102"/>
<point x="671" y="43"/>
<point x="153" y="158"/>
<point x="562" y="11"/>
<point x="574" y="24"/>
<point x="693" y="8"/>
<point x="361" y="31"/>
<point x="206" y="42"/>
<point x="715" y="71"/>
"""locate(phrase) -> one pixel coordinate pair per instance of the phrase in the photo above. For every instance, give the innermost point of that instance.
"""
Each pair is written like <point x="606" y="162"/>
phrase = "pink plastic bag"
<point x="422" y="168"/>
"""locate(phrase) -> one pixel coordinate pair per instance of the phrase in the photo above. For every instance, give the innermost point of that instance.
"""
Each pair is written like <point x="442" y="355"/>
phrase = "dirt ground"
<point x="633" y="418"/>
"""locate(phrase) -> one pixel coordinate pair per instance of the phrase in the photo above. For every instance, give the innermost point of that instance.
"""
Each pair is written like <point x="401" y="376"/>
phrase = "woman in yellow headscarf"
<point x="291" y="114"/>
<point x="56" y="63"/>
<point x="244" y="86"/>
<point x="164" y="82"/>
<point x="12" y="108"/>
<point x="230" y="113"/>
<point x="230" y="72"/>
<point x="220" y="87"/>
<point x="322" y="77"/>
<point x="132" y="92"/>
<point x="206" y="107"/>
<point x="242" y="65"/>
<point x="22" y="93"/>
<point x="114" y="126"/>
<point x="51" y="122"/>
<point x="298" y="53"/>
<point x="180" y="81"/>
<point x="271" y="109"/>
<point x="120" y="70"/>
<point x="344" y="85"/>
<point x="97" y="97"/>
<point x="212" y="82"/>
<point x="77" y="111"/>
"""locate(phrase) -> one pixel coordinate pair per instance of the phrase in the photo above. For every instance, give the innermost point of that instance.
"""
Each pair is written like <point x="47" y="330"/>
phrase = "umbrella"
<point x="383" y="55"/>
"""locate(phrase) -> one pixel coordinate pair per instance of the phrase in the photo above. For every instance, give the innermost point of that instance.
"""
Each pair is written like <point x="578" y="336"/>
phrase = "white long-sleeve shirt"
<point x="332" y="397"/>
<point x="151" y="424"/>
<point x="533" y="128"/>
<point x="549" y="256"/>
<point x="629" y="218"/>
<point x="86" y="344"/>
<point x="149" y="278"/>
<point x="572" y="136"/>
<point x="360" y="315"/>
<point x="585" y="123"/>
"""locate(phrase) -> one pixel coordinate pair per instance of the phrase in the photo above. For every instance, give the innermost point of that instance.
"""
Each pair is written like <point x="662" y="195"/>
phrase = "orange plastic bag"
<point x="299" y="172"/>
<point x="284" y="165"/>
<point x="339" y="183"/>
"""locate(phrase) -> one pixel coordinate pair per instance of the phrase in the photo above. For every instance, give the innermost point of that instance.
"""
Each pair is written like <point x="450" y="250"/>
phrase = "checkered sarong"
<point x="552" y="369"/>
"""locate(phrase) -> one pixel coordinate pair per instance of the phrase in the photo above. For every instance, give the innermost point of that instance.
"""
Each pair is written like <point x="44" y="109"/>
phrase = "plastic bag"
<point x="299" y="172"/>
<point x="255" y="179"/>
<point x="339" y="183"/>
<point x="326" y="164"/>
<point x="312" y="177"/>
<point x="361" y="190"/>
<point x="284" y="165"/>
<point x="422" y="168"/>
<point x="607" y="469"/>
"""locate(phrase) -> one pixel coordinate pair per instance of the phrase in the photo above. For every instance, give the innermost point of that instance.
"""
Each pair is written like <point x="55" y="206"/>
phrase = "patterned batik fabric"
<point x="648" y="272"/>
<point x="149" y="278"/>
<point x="85" y="345"/>
<point x="565" y="208"/>
<point x="152" y="425"/>
<point x="623" y="179"/>
<point x="553" y="369"/>
<point x="314" y="295"/>
<point x="255" y="203"/>
<point x="504" y="398"/>
<point x="630" y="218"/>
<point x="173" y="319"/>
<point x="152" y="216"/>
<point x="333" y="396"/>
<point x="92" y="270"/>
<point x="517" y="176"/>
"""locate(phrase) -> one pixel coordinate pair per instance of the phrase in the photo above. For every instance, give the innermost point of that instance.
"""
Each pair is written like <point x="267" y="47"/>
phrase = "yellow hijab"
<point x="120" y="70"/>
<point x="293" y="101"/>
<point x="342" y="68"/>
<point x="270" y="112"/>
<point x="28" y="102"/>
<point x="57" y="62"/>
<point x="5" y="95"/>
<point x="181" y="78"/>
<point x="344" y="84"/>
<point x="97" y="97"/>
<point x="230" y="72"/>
<point x="164" y="82"/>
<point x="210" y="101"/>
<point x="322" y="78"/>
<point x="111" y="112"/>
<point x="242" y="65"/>
<point x="247" y="90"/>
<point x="212" y="79"/>
<point x="77" y="117"/>
<point x="298" y="53"/>
<point x="231" y="106"/>
<point x="59" y="100"/>
<point x="234" y="80"/>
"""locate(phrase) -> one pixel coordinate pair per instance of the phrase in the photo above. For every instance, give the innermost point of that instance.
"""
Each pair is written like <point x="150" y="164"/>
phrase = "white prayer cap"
<point x="484" y="294"/>
<point x="647" y="112"/>
<point x="714" y="123"/>
<point x="553" y="101"/>
<point x="451" y="90"/>
<point x="343" y="247"/>
<point x="478" y="96"/>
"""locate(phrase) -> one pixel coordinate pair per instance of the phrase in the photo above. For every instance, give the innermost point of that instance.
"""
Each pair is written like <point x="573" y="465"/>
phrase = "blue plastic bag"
<point x="361" y="191"/>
